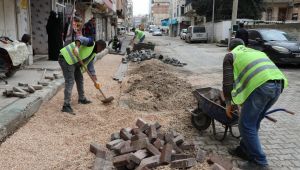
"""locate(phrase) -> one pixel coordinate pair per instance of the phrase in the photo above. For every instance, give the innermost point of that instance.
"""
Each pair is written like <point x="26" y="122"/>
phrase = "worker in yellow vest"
<point x="252" y="80"/>
<point x="85" y="49"/>
<point x="138" y="34"/>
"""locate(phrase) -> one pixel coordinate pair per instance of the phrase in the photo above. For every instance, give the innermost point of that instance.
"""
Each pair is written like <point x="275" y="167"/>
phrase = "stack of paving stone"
<point x="145" y="147"/>
<point x="142" y="55"/>
<point x="24" y="89"/>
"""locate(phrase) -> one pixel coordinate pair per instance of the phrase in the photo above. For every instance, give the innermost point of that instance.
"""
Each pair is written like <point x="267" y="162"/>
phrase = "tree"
<point x="250" y="9"/>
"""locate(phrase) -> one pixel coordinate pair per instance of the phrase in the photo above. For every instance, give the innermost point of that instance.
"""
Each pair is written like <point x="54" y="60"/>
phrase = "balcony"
<point x="189" y="11"/>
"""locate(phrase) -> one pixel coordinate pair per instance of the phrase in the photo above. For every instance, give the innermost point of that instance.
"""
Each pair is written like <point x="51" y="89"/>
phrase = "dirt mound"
<point x="153" y="86"/>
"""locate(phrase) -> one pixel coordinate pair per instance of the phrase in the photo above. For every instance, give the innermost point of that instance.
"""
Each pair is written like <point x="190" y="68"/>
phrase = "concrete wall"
<point x="40" y="11"/>
<point x="8" y="24"/>
<point x="292" y="29"/>
<point x="221" y="30"/>
<point x="23" y="18"/>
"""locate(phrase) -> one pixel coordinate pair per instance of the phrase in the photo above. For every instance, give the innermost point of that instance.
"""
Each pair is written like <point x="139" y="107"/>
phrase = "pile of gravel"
<point x="142" y="55"/>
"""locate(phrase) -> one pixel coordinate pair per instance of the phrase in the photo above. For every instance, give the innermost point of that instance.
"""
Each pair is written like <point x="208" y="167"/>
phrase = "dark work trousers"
<point x="71" y="73"/>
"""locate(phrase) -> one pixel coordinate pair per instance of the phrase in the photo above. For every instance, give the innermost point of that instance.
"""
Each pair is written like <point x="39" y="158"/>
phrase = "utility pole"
<point x="234" y="13"/>
<point x="233" y="17"/>
<point x="213" y="21"/>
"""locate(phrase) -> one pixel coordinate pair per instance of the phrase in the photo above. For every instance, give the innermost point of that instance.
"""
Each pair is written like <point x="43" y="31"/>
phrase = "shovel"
<point x="105" y="100"/>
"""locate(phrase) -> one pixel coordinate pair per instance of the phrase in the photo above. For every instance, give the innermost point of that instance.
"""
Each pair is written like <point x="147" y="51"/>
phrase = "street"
<point x="153" y="91"/>
<point x="280" y="140"/>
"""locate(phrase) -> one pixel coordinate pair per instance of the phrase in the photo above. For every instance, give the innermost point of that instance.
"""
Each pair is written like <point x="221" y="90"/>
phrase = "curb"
<point x="16" y="114"/>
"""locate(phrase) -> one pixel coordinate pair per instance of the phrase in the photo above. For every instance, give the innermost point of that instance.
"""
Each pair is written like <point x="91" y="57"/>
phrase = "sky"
<point x="140" y="7"/>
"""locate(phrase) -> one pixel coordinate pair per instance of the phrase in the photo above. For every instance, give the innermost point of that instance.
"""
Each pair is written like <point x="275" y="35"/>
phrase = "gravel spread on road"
<point x="55" y="140"/>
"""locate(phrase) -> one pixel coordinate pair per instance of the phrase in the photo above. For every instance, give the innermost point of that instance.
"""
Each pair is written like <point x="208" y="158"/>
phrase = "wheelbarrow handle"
<point x="271" y="119"/>
<point x="280" y="109"/>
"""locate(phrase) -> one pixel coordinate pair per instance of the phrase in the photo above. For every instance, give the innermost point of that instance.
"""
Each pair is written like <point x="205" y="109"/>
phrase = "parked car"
<point x="196" y="33"/>
<point x="277" y="44"/>
<point x="157" y="32"/>
<point x="182" y="34"/>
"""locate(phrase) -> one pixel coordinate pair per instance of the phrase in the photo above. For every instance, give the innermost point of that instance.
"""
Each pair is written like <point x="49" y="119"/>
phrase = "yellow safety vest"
<point x="84" y="52"/>
<point x="251" y="69"/>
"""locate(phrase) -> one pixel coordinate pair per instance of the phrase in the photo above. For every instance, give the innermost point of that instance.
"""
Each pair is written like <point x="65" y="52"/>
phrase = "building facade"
<point x="159" y="11"/>
<point x="18" y="17"/>
<point x="281" y="10"/>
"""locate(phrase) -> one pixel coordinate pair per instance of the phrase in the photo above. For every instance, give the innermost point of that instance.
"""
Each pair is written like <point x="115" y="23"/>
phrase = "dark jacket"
<point x="242" y="34"/>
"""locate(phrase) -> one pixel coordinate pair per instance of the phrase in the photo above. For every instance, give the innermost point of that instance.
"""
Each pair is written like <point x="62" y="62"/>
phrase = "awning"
<point x="165" y="22"/>
<point x="174" y="21"/>
<point x="108" y="4"/>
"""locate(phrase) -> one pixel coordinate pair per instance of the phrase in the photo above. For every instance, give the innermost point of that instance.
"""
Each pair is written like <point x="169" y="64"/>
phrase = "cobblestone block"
<point x="121" y="160"/>
<point x="138" y="156"/>
<point x="150" y="162"/>
<point x="125" y="134"/>
<point x="152" y="149"/>
<point x="166" y="153"/>
<point x="110" y="144"/>
<point x="143" y="126"/>
<point x="115" y="136"/>
<point x="183" y="163"/>
<point x="140" y="144"/>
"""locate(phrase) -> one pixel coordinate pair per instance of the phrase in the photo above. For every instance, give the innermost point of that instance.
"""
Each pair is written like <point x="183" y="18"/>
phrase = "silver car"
<point x="157" y="32"/>
<point x="183" y="34"/>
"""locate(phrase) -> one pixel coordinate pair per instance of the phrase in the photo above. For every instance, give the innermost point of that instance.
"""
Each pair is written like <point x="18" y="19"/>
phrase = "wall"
<point x="160" y="11"/>
<point x="40" y="10"/>
<point x="221" y="30"/>
<point x="8" y="25"/>
<point x="292" y="29"/>
<point x="23" y="18"/>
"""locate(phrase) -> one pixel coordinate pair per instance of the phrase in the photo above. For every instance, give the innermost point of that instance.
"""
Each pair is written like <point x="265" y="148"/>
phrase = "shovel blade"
<point x="108" y="100"/>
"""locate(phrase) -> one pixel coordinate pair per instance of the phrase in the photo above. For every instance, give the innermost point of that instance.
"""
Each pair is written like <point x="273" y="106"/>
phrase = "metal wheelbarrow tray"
<point x="210" y="109"/>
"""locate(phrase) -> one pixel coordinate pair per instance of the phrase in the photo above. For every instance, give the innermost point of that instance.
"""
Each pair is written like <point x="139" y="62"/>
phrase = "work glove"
<point x="97" y="85"/>
<point x="229" y="111"/>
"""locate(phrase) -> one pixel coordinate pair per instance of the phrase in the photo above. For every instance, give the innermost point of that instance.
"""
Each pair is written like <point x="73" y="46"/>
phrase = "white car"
<point x="183" y="34"/>
<point x="196" y="34"/>
<point x="157" y="32"/>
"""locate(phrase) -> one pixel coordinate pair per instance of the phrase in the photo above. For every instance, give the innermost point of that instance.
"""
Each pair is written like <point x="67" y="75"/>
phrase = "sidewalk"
<point x="16" y="111"/>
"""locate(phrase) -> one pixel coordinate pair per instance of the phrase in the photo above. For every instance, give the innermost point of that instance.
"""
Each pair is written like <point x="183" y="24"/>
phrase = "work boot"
<point x="238" y="152"/>
<point x="68" y="109"/>
<point x="84" y="101"/>
<point x="253" y="166"/>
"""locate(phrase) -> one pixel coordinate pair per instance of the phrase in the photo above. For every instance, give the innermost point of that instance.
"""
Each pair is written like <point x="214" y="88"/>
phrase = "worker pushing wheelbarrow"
<point x="250" y="80"/>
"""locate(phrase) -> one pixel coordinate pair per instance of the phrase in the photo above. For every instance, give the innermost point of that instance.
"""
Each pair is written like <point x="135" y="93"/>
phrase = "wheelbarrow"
<point x="211" y="108"/>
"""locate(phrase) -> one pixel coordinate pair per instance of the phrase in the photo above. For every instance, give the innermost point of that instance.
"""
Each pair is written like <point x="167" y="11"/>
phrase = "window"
<point x="253" y="35"/>
<point x="269" y="14"/>
<point x="199" y="29"/>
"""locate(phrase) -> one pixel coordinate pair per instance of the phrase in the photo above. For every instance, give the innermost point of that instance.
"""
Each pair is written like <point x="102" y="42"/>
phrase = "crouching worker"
<point x="85" y="49"/>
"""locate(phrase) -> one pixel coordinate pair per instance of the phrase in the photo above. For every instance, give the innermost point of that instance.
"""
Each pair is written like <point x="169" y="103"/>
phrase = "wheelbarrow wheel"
<point x="200" y="120"/>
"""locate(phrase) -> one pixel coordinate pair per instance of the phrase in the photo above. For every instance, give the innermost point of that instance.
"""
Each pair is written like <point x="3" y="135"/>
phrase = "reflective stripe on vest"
<point x="70" y="48"/>
<point x="252" y="68"/>
<point x="84" y="52"/>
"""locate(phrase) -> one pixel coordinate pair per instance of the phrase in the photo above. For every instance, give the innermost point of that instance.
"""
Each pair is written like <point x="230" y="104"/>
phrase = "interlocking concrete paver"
<point x="280" y="140"/>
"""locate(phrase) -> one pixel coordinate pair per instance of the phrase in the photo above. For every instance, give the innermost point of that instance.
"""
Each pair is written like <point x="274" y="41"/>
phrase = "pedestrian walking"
<point x="86" y="50"/>
<point x="89" y="29"/>
<point x="242" y="33"/>
<point x="138" y="34"/>
<point x="55" y="33"/>
<point x="252" y="80"/>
